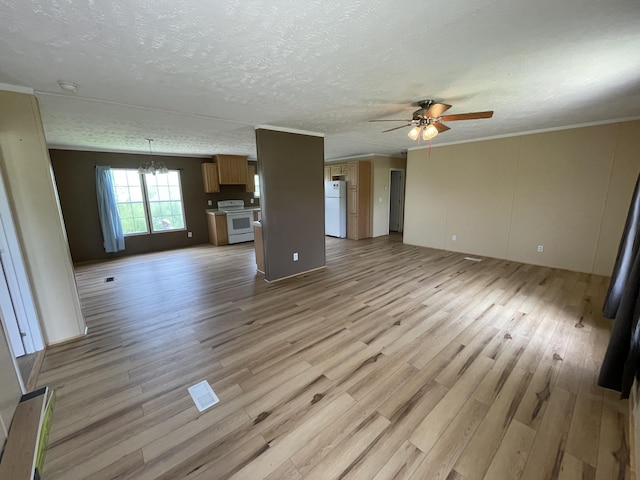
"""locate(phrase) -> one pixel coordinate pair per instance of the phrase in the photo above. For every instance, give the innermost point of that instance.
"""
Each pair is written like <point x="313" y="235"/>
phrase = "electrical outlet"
<point x="295" y="257"/>
<point x="189" y="234"/>
<point x="209" y="202"/>
<point x="454" y="238"/>
<point x="540" y="248"/>
<point x="251" y="201"/>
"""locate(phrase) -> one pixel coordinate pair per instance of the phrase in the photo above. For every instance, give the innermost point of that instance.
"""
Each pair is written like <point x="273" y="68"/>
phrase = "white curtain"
<point x="108" y="211"/>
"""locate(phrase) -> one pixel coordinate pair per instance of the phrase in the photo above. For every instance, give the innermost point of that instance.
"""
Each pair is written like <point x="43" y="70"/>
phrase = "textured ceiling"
<point x="198" y="76"/>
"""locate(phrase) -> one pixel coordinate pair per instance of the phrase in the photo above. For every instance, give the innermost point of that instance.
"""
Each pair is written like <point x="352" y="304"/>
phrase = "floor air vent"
<point x="473" y="259"/>
<point x="203" y="395"/>
<point x="109" y="279"/>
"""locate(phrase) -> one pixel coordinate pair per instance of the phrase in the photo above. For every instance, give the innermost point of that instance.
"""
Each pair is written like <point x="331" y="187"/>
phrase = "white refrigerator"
<point x="335" y="208"/>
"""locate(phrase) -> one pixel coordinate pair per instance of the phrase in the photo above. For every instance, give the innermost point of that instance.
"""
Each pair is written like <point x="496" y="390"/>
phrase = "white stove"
<point x="239" y="220"/>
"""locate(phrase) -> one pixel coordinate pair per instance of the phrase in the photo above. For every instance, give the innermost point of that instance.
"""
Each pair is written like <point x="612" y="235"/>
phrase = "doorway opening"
<point x="396" y="200"/>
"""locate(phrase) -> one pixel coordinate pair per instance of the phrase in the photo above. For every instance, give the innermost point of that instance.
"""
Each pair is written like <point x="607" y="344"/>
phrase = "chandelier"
<point x="152" y="166"/>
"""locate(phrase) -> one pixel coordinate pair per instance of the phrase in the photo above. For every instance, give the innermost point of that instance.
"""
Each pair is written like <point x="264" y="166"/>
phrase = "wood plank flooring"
<point x="395" y="362"/>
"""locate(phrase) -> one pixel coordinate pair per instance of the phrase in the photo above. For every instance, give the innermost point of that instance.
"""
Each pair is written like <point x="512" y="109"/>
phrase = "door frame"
<point x="402" y="187"/>
<point x="18" y="286"/>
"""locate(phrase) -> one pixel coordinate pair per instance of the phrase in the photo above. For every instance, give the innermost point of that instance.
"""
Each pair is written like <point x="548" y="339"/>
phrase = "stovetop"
<point x="230" y="205"/>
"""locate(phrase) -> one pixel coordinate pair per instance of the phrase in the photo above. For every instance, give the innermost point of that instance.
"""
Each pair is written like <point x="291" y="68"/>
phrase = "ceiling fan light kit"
<point x="414" y="133"/>
<point x="427" y="120"/>
<point x="427" y="132"/>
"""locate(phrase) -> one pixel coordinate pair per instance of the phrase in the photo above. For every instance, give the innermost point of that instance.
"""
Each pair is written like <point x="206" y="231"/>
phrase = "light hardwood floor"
<point x="395" y="362"/>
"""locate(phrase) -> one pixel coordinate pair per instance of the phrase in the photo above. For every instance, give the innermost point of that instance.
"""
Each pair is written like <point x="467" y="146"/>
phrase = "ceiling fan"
<point x="427" y="120"/>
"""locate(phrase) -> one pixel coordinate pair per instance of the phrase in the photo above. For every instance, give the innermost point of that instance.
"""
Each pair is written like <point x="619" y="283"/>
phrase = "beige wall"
<point x="9" y="388"/>
<point x="567" y="190"/>
<point x="38" y="218"/>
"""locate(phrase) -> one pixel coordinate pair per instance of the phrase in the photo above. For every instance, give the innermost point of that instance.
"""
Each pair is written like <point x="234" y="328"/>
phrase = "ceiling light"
<point x="429" y="132"/>
<point x="414" y="133"/>
<point x="69" y="87"/>
<point x="152" y="167"/>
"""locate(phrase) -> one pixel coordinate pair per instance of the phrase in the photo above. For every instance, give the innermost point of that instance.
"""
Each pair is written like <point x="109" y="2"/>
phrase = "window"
<point x="256" y="191"/>
<point x="147" y="201"/>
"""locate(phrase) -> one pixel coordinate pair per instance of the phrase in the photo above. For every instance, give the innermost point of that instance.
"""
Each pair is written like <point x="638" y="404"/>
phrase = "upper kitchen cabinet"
<point x="251" y="179"/>
<point x="210" y="178"/>
<point x="232" y="169"/>
<point x="338" y="170"/>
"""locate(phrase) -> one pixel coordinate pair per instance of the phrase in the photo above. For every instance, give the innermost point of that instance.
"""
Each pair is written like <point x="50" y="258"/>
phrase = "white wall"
<point x="31" y="189"/>
<point x="567" y="190"/>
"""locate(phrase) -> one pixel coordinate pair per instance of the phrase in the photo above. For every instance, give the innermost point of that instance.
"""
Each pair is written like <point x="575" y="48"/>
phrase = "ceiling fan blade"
<point x="441" y="127"/>
<point x="436" y="110"/>
<point x="467" y="116"/>
<point x="396" y="120"/>
<point x="397" y="128"/>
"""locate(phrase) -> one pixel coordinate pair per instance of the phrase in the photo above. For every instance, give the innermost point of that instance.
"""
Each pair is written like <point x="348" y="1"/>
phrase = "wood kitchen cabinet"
<point x="327" y="174"/>
<point x="218" y="233"/>
<point x="358" y="200"/>
<point x="210" y="178"/>
<point x="251" y="179"/>
<point x="338" y="170"/>
<point x="232" y="169"/>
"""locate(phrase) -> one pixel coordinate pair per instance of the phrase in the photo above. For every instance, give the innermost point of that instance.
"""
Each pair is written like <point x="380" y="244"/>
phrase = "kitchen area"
<point x="233" y="221"/>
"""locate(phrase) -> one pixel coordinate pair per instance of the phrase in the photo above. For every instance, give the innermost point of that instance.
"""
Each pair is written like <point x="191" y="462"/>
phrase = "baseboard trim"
<point x="69" y="340"/>
<point x="296" y="274"/>
<point x="32" y="381"/>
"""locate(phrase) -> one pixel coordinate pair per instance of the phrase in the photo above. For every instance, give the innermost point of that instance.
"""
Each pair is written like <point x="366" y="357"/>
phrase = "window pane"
<point x="136" y="195"/>
<point x="129" y="198"/>
<point x="178" y="221"/>
<point x="165" y="201"/>
<point x="133" y="177"/>
<point x="163" y="193"/>
<point x="140" y="225"/>
<point x="122" y="194"/>
<point x="138" y="210"/>
<point x="119" y="176"/>
<point x="174" y="193"/>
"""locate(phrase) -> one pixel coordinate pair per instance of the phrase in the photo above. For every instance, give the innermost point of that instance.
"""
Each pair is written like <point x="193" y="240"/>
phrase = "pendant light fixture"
<point x="151" y="166"/>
